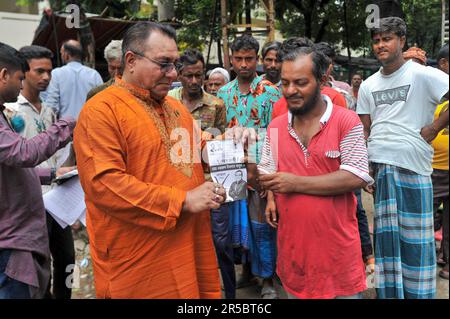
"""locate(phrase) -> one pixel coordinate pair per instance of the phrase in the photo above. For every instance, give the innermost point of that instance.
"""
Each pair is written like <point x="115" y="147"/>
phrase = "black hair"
<point x="443" y="53"/>
<point x="326" y="49"/>
<point x="75" y="51"/>
<point x="357" y="73"/>
<point x="36" y="52"/>
<point x="191" y="57"/>
<point x="245" y="42"/>
<point x="274" y="45"/>
<point x="292" y="44"/>
<point x="320" y="61"/>
<point x="390" y="24"/>
<point x="134" y="38"/>
<point x="12" y="60"/>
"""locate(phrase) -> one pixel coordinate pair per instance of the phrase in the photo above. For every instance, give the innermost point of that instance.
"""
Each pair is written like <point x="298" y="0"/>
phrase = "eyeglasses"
<point x="165" y="67"/>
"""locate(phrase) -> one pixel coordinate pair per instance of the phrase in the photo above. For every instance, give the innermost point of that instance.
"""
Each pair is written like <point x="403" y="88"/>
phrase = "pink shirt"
<point x="319" y="249"/>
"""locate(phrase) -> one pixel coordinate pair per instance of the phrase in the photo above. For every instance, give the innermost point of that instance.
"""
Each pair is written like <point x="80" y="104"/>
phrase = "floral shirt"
<point x="254" y="109"/>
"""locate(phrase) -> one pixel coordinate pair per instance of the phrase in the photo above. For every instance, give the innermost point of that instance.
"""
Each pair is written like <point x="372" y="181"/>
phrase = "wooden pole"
<point x="271" y="20"/>
<point x="211" y="31"/>
<point x="224" y="19"/>
<point x="347" y="40"/>
<point x="86" y="37"/>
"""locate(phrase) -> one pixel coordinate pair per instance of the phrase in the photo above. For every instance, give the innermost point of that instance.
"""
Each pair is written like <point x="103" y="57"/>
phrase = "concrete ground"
<point x="84" y="284"/>
<point x="254" y="292"/>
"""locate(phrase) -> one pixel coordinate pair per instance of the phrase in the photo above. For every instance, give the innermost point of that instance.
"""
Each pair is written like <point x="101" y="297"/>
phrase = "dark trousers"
<point x="363" y="226"/>
<point x="10" y="288"/>
<point x="442" y="220"/>
<point x="63" y="255"/>
<point x="220" y="224"/>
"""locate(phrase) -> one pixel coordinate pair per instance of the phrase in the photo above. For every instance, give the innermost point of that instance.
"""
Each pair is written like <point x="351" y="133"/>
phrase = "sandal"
<point x="444" y="272"/>
<point x="440" y="260"/>
<point x="269" y="293"/>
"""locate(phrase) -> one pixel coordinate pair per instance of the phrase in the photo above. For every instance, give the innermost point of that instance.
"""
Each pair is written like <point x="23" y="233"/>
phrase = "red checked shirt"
<point x="319" y="249"/>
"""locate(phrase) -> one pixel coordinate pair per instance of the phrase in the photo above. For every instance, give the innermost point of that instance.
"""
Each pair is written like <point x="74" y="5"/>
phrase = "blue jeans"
<point x="10" y="288"/>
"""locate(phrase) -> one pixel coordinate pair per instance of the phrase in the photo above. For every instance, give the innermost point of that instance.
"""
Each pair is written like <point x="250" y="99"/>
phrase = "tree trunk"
<point x="166" y="10"/>
<point x="219" y="51"/>
<point x="322" y="30"/>
<point x="307" y="15"/>
<point x="235" y="7"/>
<point x="390" y="8"/>
<point x="224" y="23"/>
<point x="212" y="29"/>
<point x="308" y="24"/>
<point x="347" y="39"/>
<point x="248" y="15"/>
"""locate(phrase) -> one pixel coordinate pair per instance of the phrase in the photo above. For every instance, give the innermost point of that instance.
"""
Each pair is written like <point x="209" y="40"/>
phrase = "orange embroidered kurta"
<point x="142" y="245"/>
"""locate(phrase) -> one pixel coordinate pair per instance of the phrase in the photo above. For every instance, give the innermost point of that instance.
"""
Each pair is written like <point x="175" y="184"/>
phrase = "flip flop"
<point x="269" y="293"/>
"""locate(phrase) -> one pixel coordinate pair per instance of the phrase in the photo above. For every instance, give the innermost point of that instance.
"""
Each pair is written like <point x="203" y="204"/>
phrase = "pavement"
<point x="83" y="282"/>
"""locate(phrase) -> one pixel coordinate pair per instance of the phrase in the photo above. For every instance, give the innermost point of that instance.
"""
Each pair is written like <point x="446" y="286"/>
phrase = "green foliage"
<point x="329" y="18"/>
<point x="423" y="18"/>
<point x="196" y="18"/>
<point x="321" y="20"/>
<point x="123" y="9"/>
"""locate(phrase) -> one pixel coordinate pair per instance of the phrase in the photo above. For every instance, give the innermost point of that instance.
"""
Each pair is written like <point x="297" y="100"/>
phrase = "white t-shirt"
<point x="400" y="105"/>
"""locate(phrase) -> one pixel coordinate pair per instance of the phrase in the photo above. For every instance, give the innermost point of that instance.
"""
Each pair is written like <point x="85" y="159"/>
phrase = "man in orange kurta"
<point x="147" y="208"/>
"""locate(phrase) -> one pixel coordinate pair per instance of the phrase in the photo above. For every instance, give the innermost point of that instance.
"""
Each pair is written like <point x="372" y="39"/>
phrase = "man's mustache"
<point x="294" y="97"/>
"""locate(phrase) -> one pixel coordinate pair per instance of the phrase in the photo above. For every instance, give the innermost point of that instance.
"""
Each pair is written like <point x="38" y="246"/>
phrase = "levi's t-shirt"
<point x="400" y="105"/>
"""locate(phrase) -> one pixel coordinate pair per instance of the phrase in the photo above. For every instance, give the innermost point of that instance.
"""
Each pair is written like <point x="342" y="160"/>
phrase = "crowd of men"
<point x="159" y="226"/>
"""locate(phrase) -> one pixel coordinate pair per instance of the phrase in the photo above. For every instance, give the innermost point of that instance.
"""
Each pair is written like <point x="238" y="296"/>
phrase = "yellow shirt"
<point x="440" y="143"/>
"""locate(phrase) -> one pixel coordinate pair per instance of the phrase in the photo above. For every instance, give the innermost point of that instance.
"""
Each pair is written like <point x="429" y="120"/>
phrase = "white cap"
<point x="222" y="71"/>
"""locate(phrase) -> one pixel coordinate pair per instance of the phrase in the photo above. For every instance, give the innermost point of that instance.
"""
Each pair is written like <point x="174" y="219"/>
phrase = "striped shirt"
<point x="352" y="148"/>
<point x="319" y="249"/>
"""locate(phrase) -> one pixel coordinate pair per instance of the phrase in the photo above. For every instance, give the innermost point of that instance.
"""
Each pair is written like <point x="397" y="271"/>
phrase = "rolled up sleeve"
<point x="354" y="157"/>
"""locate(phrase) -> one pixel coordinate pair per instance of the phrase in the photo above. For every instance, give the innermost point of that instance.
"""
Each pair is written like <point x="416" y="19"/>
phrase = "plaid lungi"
<point x="405" y="256"/>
